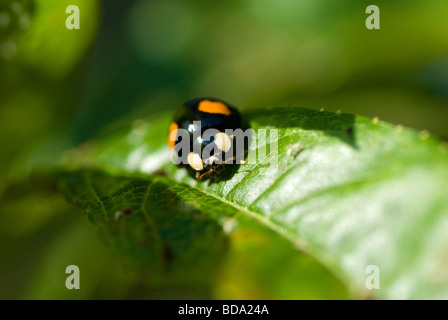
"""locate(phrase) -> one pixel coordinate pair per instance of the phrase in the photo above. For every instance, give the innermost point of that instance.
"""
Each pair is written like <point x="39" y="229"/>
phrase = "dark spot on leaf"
<point x="167" y="254"/>
<point x="160" y="173"/>
<point x="85" y="212"/>
<point x="349" y="131"/>
<point x="52" y="189"/>
<point x="127" y="212"/>
<point x="141" y="241"/>
<point x="170" y="196"/>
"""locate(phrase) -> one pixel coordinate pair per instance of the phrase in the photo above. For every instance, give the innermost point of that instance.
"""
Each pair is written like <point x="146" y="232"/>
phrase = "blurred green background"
<point x="134" y="58"/>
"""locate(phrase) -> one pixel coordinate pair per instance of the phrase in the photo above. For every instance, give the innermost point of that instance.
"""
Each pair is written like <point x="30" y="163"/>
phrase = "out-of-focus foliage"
<point x="41" y="63"/>
<point x="133" y="58"/>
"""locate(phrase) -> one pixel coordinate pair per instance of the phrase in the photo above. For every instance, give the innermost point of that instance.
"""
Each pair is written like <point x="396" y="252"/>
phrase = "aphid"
<point x="212" y="114"/>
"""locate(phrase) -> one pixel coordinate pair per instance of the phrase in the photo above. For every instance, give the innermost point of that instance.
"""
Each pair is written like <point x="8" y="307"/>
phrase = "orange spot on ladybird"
<point x="172" y="140"/>
<point x="214" y="107"/>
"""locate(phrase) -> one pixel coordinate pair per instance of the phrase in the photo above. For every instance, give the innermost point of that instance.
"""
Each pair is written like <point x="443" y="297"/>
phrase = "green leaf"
<point x="147" y="225"/>
<point x="177" y="240"/>
<point x="351" y="191"/>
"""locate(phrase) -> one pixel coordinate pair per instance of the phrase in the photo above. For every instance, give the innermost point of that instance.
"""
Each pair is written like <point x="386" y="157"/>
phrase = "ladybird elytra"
<point x="171" y="134"/>
<point x="213" y="107"/>
<point x="197" y="116"/>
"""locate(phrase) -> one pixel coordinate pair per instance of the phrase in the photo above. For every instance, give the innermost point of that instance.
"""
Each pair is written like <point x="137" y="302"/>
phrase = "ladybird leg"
<point x="231" y="159"/>
<point x="201" y="176"/>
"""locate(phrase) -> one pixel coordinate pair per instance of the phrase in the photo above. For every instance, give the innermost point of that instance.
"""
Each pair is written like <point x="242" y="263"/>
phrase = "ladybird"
<point x="195" y="117"/>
